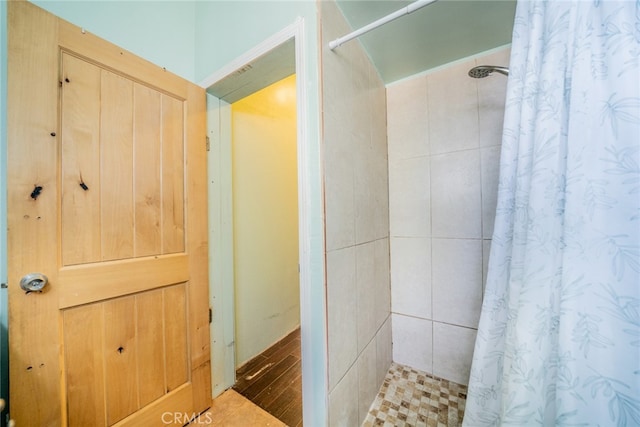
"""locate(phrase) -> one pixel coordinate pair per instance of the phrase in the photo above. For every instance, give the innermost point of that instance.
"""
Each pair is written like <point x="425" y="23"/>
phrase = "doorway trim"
<point x="221" y="239"/>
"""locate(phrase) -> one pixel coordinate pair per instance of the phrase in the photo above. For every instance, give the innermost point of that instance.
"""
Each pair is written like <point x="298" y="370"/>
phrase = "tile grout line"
<point x="412" y="397"/>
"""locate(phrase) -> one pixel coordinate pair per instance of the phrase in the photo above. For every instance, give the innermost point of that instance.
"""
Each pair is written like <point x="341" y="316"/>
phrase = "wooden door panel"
<point x="172" y="176"/>
<point x="32" y="82"/>
<point x="102" y="134"/>
<point x="120" y="357"/>
<point x="95" y="282"/>
<point x="116" y="167"/>
<point x="83" y="331"/>
<point x="107" y="197"/>
<point x="151" y="344"/>
<point x="80" y="113"/>
<point x="124" y="354"/>
<point x="147" y="108"/>
<point x="113" y="57"/>
<point x="156" y="412"/>
<point x="175" y="312"/>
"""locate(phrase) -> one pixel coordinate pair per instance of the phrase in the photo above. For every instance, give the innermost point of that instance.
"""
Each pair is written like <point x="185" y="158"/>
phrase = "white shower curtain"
<point x="558" y="342"/>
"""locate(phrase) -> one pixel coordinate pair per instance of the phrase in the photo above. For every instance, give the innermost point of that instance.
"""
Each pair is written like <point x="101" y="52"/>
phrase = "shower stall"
<point x="410" y="174"/>
<point x="443" y="172"/>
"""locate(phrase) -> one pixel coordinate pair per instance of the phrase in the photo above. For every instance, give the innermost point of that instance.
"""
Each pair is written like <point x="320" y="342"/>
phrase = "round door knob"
<point x="33" y="282"/>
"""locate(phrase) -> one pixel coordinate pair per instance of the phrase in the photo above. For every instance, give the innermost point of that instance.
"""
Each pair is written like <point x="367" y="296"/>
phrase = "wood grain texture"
<point x="83" y="43"/>
<point x="273" y="380"/>
<point x="32" y="156"/>
<point x="150" y="336"/>
<point x="102" y="116"/>
<point x="116" y="166"/>
<point x="131" y="324"/>
<point x="197" y="240"/>
<point x="154" y="413"/>
<point x="201" y="376"/>
<point x="175" y="325"/>
<point x="147" y="147"/>
<point x="83" y="331"/>
<point x="120" y="357"/>
<point x="94" y="282"/>
<point x="80" y="161"/>
<point x="172" y="175"/>
<point x="124" y="354"/>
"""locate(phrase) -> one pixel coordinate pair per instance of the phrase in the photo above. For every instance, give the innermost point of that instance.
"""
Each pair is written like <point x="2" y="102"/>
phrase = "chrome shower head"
<point x="482" y="71"/>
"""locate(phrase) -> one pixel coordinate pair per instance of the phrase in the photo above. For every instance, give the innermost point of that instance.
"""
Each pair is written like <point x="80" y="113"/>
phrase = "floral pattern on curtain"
<point x="558" y="342"/>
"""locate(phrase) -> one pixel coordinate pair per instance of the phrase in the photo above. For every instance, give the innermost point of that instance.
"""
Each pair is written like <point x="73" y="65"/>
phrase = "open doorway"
<point x="265" y="232"/>
<point x="249" y="181"/>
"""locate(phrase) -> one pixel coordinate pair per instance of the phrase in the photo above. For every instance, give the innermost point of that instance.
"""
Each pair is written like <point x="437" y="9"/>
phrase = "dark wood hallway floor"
<point x="273" y="380"/>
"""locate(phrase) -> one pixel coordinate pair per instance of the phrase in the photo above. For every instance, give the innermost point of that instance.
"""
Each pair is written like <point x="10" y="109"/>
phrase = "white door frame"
<point x="314" y="345"/>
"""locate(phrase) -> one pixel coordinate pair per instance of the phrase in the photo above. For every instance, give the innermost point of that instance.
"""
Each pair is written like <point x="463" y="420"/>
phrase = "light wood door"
<point x="106" y="197"/>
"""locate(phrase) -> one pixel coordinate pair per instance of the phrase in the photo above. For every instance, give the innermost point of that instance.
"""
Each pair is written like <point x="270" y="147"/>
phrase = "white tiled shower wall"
<point x="357" y="224"/>
<point x="444" y="134"/>
<point x="428" y="197"/>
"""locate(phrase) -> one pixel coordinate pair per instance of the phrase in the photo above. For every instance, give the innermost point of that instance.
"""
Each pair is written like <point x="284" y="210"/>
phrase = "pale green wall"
<point x="162" y="32"/>
<point x="226" y="30"/>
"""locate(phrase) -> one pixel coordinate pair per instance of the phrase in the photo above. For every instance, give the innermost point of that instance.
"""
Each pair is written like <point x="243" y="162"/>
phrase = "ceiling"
<point x="267" y="69"/>
<point x="437" y="34"/>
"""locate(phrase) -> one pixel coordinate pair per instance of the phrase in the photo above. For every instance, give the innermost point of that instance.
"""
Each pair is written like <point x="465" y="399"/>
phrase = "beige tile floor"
<point x="231" y="409"/>
<point x="409" y="397"/>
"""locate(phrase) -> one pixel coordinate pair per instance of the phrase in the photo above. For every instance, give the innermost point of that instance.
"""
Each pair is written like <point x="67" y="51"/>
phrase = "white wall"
<point x="265" y="218"/>
<point x="444" y="134"/>
<point x="357" y="224"/>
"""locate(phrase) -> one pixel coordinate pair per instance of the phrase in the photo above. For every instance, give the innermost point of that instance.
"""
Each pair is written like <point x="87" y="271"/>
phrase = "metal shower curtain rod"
<point x="375" y="24"/>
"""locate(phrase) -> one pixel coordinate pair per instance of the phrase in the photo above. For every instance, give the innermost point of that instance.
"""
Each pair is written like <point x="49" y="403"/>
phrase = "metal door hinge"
<point x="208" y="144"/>
<point x="210" y="315"/>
